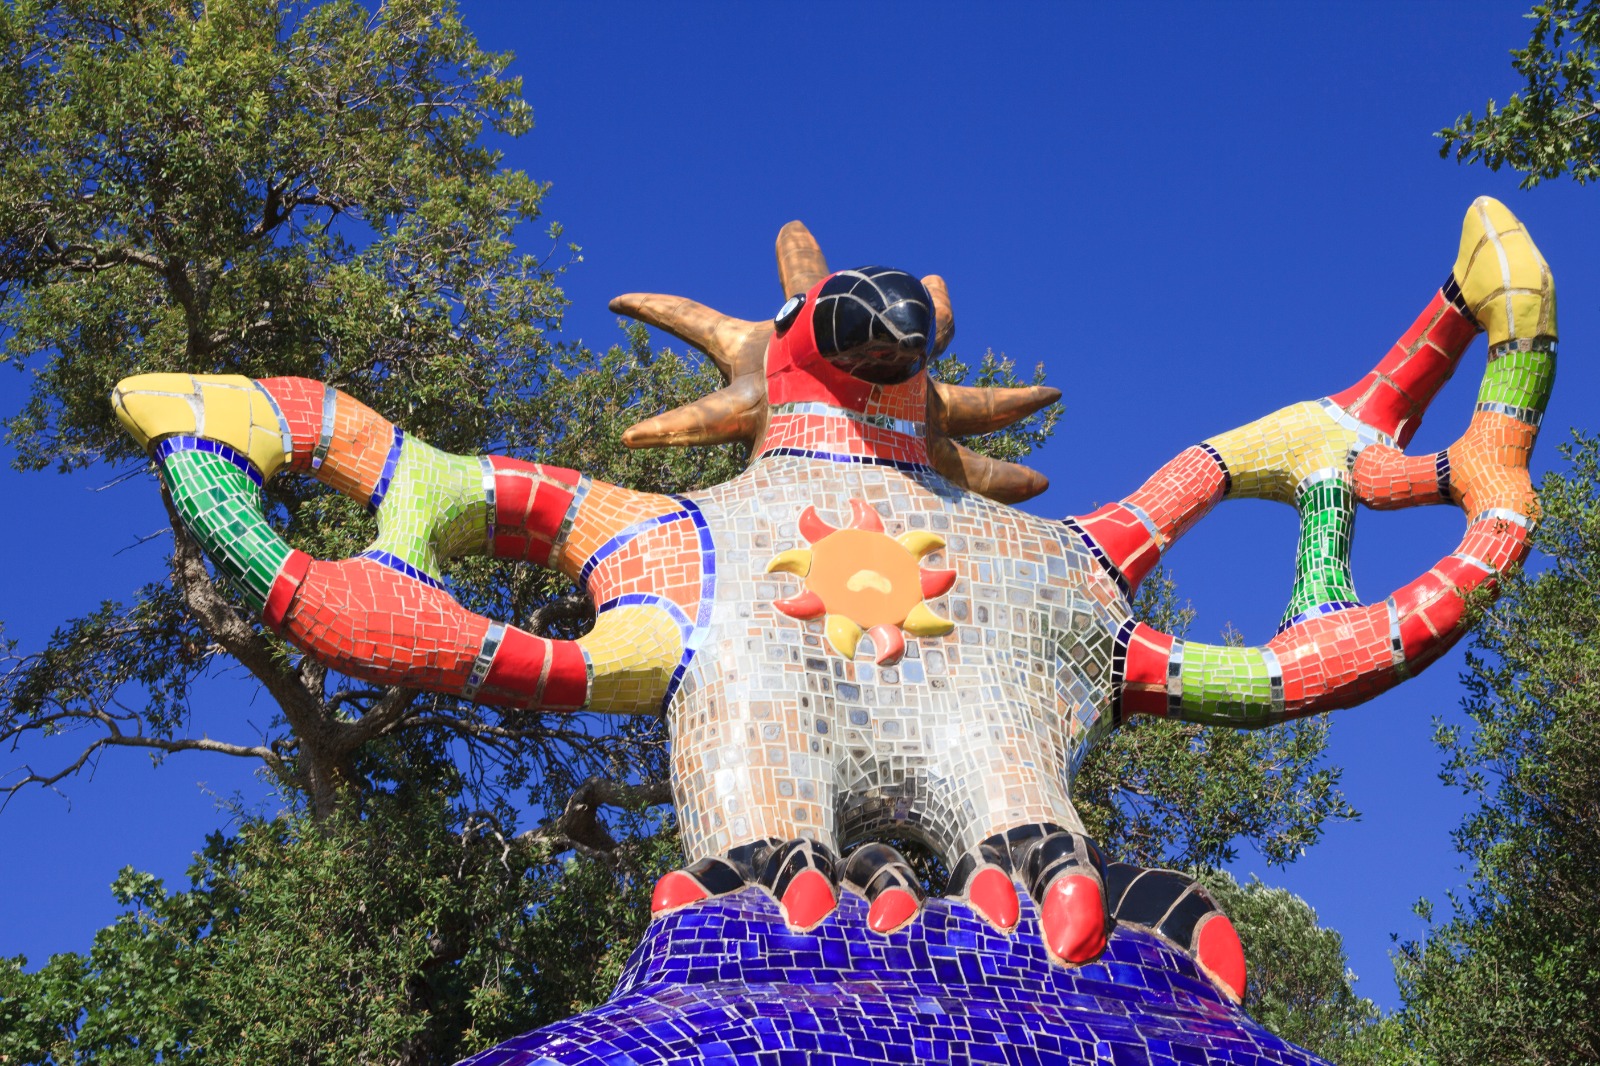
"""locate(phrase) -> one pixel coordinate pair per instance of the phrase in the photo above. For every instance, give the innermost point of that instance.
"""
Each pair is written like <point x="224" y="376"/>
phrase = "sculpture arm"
<point x="1327" y="455"/>
<point x="385" y="616"/>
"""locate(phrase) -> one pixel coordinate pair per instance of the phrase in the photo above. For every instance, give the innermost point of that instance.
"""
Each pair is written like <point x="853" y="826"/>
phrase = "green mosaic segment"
<point x="1520" y="379"/>
<point x="435" y="509"/>
<point x="1322" y="561"/>
<point x="1225" y="685"/>
<point x="219" y="504"/>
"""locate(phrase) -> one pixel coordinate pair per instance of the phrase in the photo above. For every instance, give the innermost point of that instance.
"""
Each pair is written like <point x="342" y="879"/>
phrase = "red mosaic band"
<point x="1394" y="394"/>
<point x="1144" y="679"/>
<point x="531" y="503"/>
<point x="1128" y="544"/>
<point x="284" y="588"/>
<point x="530" y="671"/>
<point x="1336" y="660"/>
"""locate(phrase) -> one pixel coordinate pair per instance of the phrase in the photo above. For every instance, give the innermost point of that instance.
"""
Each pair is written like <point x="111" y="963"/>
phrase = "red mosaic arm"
<point x="1328" y="455"/>
<point x="385" y="616"/>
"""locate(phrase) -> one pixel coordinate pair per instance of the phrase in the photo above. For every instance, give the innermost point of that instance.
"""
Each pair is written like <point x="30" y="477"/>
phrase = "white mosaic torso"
<point x="775" y="734"/>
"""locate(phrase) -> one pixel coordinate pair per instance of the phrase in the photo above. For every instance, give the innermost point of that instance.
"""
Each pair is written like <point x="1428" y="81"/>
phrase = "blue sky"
<point x="1191" y="216"/>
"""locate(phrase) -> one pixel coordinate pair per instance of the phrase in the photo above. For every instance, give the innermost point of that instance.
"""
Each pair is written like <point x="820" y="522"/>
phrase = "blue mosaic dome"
<point x="726" y="982"/>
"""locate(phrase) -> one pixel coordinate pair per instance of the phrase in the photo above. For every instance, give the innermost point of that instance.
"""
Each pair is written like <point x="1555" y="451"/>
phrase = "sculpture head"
<point x="859" y="340"/>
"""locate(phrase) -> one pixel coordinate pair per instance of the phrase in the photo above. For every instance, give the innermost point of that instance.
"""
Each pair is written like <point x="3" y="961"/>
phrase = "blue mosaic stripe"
<point x="394" y="562"/>
<point x="184" y="443"/>
<point x="611" y="546"/>
<point x="382" y="488"/>
<point x="860" y="460"/>
<point x="708" y="592"/>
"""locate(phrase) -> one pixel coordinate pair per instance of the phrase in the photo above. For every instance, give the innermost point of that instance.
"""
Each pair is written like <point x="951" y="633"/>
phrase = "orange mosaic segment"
<point x="664" y="561"/>
<point x="1181" y="492"/>
<point x="1386" y="478"/>
<point x="605" y="511"/>
<point x="1499" y="540"/>
<point x="1394" y="395"/>
<point x="1489" y="465"/>
<point x="358" y="449"/>
<point x="301" y="402"/>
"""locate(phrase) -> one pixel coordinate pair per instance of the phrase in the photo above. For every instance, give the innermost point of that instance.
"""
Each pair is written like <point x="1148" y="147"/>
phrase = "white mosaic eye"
<point x="789" y="312"/>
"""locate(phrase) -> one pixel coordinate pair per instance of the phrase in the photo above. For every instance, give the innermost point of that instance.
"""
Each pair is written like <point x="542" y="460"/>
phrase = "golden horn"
<point x="800" y="262"/>
<point x="961" y="410"/>
<point x="998" y="480"/>
<point x="730" y="414"/>
<point x="720" y="336"/>
<point x="942" y="314"/>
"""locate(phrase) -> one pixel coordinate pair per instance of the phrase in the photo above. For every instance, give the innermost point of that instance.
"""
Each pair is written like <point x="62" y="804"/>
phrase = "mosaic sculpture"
<point x="858" y="637"/>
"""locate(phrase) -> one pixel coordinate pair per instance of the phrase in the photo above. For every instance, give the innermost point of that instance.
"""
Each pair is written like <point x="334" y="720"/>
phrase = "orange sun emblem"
<point x="861" y="580"/>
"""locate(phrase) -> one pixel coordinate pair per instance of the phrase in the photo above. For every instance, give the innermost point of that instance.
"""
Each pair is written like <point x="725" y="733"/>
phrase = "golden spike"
<point x="922" y="622"/>
<point x="796" y="561"/>
<point x="843" y="634"/>
<point x="800" y="262"/>
<point x="920" y="542"/>
<point x="961" y="410"/>
<point x="1002" y="481"/>
<point x="736" y="346"/>
<point x="730" y="414"/>
<point x="943" y="316"/>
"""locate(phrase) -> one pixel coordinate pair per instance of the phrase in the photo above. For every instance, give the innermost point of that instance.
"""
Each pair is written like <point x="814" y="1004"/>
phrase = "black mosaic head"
<point x="875" y="324"/>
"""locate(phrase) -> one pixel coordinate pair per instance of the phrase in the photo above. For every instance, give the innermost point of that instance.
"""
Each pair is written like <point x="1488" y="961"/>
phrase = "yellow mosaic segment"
<point x="1269" y="457"/>
<point x="1503" y="278"/>
<point x="632" y="651"/>
<point x="225" y="408"/>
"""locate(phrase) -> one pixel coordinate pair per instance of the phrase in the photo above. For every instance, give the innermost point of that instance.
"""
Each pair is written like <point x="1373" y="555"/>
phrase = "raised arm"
<point x="1326" y="455"/>
<point x="385" y="615"/>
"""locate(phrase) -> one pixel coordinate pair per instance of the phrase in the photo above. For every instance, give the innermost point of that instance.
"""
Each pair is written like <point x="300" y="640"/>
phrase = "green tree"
<point x="257" y="187"/>
<point x="1551" y="127"/>
<point x="1512" y="976"/>
<point x="1300" y="982"/>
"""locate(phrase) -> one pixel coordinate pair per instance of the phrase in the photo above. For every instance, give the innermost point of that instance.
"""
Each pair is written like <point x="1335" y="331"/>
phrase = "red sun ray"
<point x="806" y="606"/>
<point x="863" y="516"/>
<point x="888" y="643"/>
<point x="813" y="528"/>
<point x="936" y="583"/>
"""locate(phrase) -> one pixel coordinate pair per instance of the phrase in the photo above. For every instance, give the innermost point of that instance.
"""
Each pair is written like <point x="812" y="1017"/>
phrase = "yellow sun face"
<point x="861" y="580"/>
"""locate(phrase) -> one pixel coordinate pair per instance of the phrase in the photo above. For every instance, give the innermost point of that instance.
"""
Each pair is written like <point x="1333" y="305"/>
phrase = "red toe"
<point x="808" y="899"/>
<point x="992" y="895"/>
<point x="893" y="908"/>
<point x="675" y="890"/>
<point x="1074" y="919"/>
<point x="1222" y="955"/>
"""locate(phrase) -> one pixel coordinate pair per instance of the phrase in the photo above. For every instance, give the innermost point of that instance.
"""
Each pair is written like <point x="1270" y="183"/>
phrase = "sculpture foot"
<point x="1065" y="874"/>
<point x="882" y="875"/>
<point x="801" y="874"/>
<point x="1178" y="909"/>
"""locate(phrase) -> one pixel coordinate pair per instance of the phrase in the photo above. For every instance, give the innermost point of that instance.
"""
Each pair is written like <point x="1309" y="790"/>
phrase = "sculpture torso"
<point x="776" y="734"/>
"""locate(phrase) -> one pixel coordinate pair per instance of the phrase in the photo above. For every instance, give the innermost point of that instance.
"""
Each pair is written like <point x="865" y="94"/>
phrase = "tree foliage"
<point x="259" y="187"/>
<point x="1551" y="127"/>
<point x="1513" y="975"/>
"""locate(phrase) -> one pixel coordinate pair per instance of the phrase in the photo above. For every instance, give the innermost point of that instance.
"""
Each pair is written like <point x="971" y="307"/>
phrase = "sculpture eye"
<point x="789" y="312"/>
